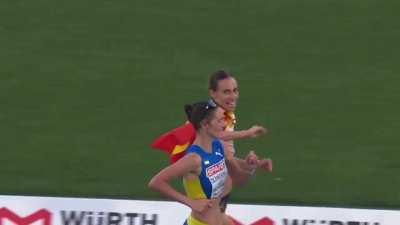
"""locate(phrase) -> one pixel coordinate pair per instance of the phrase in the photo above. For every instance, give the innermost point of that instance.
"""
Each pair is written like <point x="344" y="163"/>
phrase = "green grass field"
<point x="85" y="86"/>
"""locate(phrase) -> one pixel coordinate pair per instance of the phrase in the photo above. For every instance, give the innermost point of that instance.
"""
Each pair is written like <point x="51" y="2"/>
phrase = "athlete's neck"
<point x="204" y="140"/>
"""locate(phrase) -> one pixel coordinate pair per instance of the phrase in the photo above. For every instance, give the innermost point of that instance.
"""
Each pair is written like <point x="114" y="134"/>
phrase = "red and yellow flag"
<point x="176" y="141"/>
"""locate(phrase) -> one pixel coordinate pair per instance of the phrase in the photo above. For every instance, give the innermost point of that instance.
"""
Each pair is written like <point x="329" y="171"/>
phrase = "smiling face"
<point x="226" y="94"/>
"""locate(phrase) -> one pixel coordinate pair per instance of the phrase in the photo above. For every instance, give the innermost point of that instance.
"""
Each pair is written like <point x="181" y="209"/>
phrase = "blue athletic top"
<point x="210" y="183"/>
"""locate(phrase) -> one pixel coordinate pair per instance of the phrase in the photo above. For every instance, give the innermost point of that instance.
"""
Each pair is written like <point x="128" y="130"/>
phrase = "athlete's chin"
<point x="230" y="108"/>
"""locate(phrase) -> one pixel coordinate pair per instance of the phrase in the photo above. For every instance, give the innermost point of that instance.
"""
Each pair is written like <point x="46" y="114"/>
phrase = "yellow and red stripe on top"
<point x="176" y="141"/>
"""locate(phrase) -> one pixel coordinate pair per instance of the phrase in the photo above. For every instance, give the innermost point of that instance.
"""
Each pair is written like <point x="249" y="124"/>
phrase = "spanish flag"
<point x="176" y="141"/>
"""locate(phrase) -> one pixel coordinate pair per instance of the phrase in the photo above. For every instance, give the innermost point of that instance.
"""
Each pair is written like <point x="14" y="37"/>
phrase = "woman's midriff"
<point x="212" y="215"/>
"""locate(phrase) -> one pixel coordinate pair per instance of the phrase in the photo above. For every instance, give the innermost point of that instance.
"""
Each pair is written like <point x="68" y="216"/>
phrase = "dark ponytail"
<point x="188" y="110"/>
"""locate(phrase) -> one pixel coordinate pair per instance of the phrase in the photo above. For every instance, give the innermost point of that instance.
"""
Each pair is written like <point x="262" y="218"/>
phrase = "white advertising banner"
<point x="294" y="215"/>
<point x="17" y="210"/>
<point x="21" y="210"/>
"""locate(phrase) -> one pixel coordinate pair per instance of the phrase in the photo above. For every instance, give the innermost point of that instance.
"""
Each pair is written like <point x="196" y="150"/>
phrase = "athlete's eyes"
<point x="227" y="91"/>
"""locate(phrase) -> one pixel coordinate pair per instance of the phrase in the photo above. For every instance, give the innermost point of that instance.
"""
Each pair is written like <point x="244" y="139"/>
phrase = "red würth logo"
<point x="262" y="221"/>
<point x="42" y="214"/>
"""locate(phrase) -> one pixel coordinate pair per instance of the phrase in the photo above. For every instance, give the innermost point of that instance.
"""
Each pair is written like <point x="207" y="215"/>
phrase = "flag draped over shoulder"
<point x="176" y="141"/>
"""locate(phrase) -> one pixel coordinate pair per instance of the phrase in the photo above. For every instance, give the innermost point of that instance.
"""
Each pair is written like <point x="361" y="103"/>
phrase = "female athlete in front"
<point x="204" y="167"/>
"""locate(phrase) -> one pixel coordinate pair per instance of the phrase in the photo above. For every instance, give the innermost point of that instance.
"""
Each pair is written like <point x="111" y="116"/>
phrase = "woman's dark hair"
<point x="200" y="111"/>
<point x="216" y="77"/>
